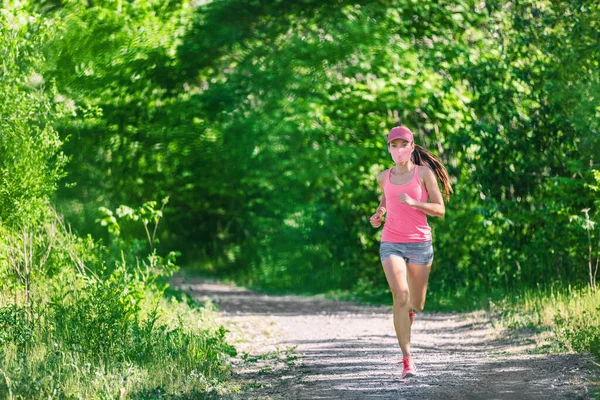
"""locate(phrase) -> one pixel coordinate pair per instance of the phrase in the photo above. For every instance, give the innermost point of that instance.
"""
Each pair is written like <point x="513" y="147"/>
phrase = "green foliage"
<point x="97" y="331"/>
<point x="529" y="156"/>
<point x="105" y="312"/>
<point x="92" y="331"/>
<point x="32" y="161"/>
<point x="126" y="249"/>
<point x="15" y="327"/>
<point x="173" y="346"/>
<point x="113" y="63"/>
<point x="265" y="123"/>
<point x="79" y="319"/>
<point x="303" y="139"/>
<point x="146" y="214"/>
<point x="580" y="335"/>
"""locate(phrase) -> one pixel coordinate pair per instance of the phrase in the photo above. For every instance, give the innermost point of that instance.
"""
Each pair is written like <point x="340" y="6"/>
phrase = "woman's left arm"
<point x="435" y="205"/>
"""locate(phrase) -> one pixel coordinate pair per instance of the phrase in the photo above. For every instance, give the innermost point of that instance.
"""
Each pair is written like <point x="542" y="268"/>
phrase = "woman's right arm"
<point x="376" y="218"/>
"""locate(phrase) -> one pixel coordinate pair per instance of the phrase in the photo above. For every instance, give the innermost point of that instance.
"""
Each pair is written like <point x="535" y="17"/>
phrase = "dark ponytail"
<point x="422" y="156"/>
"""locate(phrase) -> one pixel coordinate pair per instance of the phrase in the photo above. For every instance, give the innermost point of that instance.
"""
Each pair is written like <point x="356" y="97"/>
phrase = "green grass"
<point x="570" y="316"/>
<point x="184" y="356"/>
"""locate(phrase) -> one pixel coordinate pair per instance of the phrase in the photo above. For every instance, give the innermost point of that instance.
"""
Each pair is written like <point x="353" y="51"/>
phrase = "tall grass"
<point x="169" y="349"/>
<point x="84" y="324"/>
<point x="570" y="315"/>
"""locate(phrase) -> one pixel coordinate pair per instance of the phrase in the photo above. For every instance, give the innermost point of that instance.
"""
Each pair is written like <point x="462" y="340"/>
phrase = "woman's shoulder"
<point x="424" y="170"/>
<point x="425" y="174"/>
<point x="381" y="176"/>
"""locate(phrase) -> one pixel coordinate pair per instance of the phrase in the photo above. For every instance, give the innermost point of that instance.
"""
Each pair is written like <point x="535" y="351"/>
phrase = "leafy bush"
<point x="579" y="333"/>
<point x="32" y="161"/>
<point x="15" y="327"/>
<point x="182" y="355"/>
<point x="98" y="317"/>
<point x="99" y="331"/>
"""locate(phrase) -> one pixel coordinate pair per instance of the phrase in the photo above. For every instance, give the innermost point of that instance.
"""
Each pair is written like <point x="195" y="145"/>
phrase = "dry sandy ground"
<point x="310" y="348"/>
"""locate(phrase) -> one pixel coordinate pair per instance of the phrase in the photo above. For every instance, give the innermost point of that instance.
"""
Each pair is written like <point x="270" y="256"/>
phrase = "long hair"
<point x="422" y="156"/>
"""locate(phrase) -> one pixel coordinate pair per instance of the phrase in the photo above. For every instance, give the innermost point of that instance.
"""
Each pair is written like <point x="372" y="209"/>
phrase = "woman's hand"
<point x="376" y="218"/>
<point x="406" y="199"/>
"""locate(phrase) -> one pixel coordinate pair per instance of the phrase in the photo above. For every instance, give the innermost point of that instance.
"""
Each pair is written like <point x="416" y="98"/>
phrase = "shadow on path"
<point x="232" y="300"/>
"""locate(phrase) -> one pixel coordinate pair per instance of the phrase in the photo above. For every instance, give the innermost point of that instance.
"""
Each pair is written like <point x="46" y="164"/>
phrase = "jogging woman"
<point x="406" y="251"/>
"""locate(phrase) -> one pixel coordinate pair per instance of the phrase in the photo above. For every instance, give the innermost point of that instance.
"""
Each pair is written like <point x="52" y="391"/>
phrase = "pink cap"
<point x="400" y="132"/>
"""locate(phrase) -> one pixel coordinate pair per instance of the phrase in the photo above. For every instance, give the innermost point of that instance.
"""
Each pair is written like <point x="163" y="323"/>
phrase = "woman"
<point x="406" y="251"/>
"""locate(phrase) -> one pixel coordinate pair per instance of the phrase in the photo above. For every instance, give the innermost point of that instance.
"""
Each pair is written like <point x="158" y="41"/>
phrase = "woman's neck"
<point x="404" y="168"/>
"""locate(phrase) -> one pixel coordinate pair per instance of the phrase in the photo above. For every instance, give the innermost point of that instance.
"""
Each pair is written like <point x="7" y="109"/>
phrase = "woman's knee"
<point x="400" y="296"/>
<point x="419" y="307"/>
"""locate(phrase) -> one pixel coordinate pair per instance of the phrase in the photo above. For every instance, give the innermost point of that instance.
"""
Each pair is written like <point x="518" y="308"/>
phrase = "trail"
<point x="313" y="348"/>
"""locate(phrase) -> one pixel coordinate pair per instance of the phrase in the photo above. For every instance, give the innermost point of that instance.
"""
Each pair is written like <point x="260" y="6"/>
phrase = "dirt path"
<point x="310" y="348"/>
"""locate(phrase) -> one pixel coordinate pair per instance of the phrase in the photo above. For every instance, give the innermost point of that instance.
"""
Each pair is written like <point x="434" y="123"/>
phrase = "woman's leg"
<point x="395" y="273"/>
<point x="418" y="276"/>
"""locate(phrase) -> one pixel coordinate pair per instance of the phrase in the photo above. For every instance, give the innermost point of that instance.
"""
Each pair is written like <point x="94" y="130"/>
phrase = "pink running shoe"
<point x="411" y="316"/>
<point x="409" y="368"/>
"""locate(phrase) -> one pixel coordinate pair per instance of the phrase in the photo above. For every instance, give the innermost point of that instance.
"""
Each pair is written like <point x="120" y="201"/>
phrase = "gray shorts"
<point x="413" y="253"/>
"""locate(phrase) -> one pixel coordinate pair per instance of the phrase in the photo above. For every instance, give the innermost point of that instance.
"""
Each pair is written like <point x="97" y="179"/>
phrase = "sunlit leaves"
<point x="266" y="122"/>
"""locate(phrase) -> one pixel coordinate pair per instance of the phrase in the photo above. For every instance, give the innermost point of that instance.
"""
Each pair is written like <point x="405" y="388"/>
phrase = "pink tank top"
<point x="403" y="223"/>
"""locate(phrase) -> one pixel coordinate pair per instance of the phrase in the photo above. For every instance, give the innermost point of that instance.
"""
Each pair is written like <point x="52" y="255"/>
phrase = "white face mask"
<point x="401" y="155"/>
